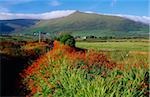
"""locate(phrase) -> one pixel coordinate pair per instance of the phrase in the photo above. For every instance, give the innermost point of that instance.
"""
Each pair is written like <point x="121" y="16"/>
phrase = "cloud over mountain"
<point x="47" y="15"/>
<point x="143" y="19"/>
<point x="63" y="13"/>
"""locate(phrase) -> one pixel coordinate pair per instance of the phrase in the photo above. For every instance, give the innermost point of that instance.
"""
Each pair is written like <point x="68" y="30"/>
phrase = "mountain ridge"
<point x="82" y="24"/>
<point x="15" y="25"/>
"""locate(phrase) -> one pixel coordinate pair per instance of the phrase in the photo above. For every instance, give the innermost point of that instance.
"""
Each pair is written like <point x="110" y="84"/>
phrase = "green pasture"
<point x="115" y="46"/>
<point x="121" y="52"/>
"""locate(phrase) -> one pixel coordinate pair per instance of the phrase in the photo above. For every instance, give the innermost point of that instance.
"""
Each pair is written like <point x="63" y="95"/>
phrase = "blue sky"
<point x="128" y="7"/>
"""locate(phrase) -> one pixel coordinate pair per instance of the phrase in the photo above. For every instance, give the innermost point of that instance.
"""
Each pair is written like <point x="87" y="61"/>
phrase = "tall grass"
<point x="117" y="83"/>
<point x="64" y="72"/>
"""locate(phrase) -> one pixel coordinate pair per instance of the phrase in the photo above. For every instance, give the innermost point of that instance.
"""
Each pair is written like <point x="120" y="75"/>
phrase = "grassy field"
<point x="121" y="52"/>
<point x="111" y="46"/>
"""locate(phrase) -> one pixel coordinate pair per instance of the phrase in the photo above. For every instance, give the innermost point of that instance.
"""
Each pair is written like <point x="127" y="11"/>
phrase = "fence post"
<point x="39" y="36"/>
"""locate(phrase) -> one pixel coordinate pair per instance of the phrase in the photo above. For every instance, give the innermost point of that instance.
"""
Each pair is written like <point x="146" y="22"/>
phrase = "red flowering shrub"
<point x="79" y="59"/>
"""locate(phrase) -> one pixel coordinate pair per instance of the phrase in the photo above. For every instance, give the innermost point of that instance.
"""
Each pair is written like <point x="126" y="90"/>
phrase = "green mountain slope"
<point x="16" y="25"/>
<point x="83" y="24"/>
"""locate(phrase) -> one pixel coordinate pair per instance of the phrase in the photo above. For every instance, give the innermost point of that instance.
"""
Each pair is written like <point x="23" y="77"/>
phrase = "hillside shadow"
<point x="11" y="66"/>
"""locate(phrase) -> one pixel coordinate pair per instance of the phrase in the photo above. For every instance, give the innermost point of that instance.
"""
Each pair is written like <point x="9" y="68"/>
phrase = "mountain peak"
<point x="77" y="12"/>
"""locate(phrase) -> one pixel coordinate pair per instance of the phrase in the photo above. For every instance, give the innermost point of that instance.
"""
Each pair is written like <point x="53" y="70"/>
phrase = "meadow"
<point x="115" y="46"/>
<point x="129" y="52"/>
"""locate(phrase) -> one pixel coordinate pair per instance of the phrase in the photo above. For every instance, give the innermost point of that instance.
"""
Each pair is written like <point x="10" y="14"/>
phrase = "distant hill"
<point x="16" y="25"/>
<point x="85" y="24"/>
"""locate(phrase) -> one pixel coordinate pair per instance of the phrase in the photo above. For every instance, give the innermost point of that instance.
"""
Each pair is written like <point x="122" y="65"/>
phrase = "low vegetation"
<point x="113" y="68"/>
<point x="23" y="48"/>
<point x="66" y="72"/>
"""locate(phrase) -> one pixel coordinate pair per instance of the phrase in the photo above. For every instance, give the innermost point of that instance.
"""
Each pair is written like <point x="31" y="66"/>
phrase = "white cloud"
<point x="142" y="19"/>
<point x="55" y="3"/>
<point x="57" y="14"/>
<point x="48" y="15"/>
<point x="89" y="12"/>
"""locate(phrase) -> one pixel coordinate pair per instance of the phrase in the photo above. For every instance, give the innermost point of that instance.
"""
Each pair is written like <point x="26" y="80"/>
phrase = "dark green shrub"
<point x="67" y="40"/>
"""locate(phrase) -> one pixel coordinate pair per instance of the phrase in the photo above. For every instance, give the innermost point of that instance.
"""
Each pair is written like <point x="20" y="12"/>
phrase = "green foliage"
<point x="73" y="83"/>
<point x="37" y="51"/>
<point x="67" y="39"/>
